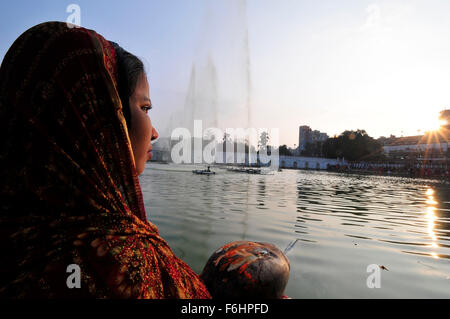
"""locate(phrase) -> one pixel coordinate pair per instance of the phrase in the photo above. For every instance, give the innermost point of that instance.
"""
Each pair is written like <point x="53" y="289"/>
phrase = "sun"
<point x="441" y="124"/>
<point x="436" y="125"/>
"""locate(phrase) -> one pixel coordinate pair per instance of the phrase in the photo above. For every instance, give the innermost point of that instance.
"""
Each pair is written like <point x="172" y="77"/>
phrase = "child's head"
<point x="244" y="269"/>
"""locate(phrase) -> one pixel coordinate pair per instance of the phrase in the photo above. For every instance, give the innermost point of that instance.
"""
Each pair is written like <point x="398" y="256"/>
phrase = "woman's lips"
<point x="149" y="154"/>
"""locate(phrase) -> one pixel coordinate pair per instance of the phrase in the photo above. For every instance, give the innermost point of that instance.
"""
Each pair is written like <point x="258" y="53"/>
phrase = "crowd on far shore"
<point x="421" y="170"/>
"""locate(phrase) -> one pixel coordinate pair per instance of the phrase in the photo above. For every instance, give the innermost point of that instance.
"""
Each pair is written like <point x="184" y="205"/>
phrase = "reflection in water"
<point x="431" y="217"/>
<point x="340" y="223"/>
<point x="261" y="193"/>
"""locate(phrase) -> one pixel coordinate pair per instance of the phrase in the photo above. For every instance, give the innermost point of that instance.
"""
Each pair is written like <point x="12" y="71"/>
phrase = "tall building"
<point x="304" y="137"/>
<point x="318" y="136"/>
<point x="307" y="135"/>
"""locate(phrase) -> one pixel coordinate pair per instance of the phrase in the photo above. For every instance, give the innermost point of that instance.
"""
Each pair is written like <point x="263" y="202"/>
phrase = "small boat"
<point x="236" y="169"/>
<point x="254" y="171"/>
<point x="245" y="170"/>
<point x="203" y="172"/>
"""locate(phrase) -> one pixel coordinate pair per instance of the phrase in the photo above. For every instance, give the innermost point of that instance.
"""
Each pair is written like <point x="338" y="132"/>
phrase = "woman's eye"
<point x="146" y="108"/>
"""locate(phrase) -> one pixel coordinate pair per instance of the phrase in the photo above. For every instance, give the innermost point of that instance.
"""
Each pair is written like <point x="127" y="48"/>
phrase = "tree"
<point x="353" y="146"/>
<point x="263" y="140"/>
<point x="313" y="149"/>
<point x="283" y="150"/>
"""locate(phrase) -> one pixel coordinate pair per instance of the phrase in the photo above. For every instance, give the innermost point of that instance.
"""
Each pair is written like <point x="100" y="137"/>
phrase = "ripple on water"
<point x="343" y="223"/>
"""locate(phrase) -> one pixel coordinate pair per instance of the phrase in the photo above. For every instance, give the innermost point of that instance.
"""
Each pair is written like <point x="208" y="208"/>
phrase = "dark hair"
<point x="129" y="68"/>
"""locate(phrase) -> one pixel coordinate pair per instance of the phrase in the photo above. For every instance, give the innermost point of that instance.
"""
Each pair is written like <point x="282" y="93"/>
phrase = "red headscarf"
<point x="69" y="188"/>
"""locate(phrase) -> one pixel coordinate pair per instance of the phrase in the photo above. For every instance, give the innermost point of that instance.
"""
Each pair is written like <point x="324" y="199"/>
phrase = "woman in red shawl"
<point x="69" y="162"/>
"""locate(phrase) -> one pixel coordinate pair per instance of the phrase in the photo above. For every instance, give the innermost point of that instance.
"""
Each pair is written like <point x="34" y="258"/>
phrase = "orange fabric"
<point x="69" y="189"/>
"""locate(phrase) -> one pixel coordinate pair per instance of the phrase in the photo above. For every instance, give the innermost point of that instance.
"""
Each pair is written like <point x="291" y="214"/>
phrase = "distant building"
<point x="386" y="140"/>
<point x="307" y="135"/>
<point x="318" y="136"/>
<point x="304" y="137"/>
<point x="310" y="163"/>
<point x="429" y="145"/>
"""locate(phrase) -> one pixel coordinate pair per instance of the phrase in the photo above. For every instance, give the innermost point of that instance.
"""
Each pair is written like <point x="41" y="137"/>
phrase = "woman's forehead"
<point x="142" y="89"/>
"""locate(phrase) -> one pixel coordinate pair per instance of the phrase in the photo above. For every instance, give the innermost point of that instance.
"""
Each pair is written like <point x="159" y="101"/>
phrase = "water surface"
<point x="343" y="223"/>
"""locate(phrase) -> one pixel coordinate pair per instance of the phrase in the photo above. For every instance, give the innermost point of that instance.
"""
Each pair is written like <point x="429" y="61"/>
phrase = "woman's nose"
<point x="154" y="134"/>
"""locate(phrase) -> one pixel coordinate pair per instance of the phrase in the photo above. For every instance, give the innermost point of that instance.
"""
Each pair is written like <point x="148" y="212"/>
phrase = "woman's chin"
<point x="140" y="169"/>
<point x="141" y="166"/>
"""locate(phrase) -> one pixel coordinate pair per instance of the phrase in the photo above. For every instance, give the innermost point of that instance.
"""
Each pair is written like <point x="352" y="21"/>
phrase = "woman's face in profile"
<point x="142" y="130"/>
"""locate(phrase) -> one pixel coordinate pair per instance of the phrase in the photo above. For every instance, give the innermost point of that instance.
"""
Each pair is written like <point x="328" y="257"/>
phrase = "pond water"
<point x="343" y="224"/>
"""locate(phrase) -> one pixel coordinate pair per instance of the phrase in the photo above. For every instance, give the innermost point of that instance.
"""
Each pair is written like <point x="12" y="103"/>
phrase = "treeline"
<point x="351" y="145"/>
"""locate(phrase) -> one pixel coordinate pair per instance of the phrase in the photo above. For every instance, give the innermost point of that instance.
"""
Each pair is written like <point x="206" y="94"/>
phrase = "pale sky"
<point x="382" y="66"/>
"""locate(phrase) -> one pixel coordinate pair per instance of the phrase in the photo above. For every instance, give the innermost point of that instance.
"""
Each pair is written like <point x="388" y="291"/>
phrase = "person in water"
<point x="75" y="136"/>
